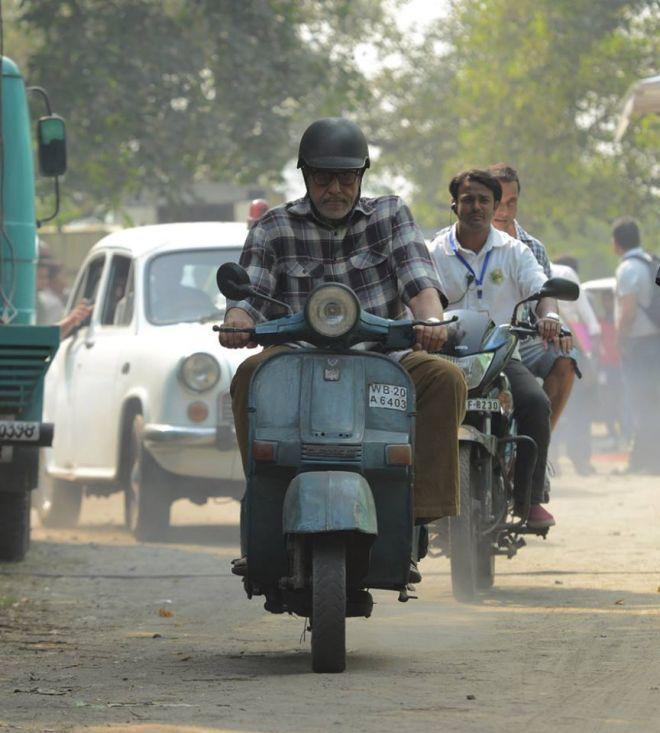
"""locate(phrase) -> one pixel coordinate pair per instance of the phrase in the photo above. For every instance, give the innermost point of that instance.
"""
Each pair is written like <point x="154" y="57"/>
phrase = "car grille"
<point x="314" y="453"/>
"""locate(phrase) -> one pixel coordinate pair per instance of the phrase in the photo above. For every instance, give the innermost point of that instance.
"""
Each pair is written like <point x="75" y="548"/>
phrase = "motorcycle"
<point x="327" y="512"/>
<point x="488" y="442"/>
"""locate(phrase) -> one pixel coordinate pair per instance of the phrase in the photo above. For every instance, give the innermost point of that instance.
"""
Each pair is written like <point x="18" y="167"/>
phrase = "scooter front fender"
<point x="329" y="501"/>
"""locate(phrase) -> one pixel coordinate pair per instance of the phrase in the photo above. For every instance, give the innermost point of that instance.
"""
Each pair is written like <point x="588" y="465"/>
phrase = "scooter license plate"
<point x="483" y="404"/>
<point x="19" y="432"/>
<point x="388" y="396"/>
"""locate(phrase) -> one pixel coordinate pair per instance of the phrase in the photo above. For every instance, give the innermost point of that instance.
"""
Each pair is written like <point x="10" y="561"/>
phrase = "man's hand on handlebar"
<point x="430" y="338"/>
<point x="237" y="318"/>
<point x="552" y="332"/>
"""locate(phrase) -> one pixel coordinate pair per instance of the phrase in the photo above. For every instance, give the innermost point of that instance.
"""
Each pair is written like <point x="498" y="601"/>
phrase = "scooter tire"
<point x="329" y="603"/>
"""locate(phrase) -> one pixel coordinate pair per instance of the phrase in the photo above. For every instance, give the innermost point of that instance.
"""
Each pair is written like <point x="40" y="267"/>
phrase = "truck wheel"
<point x="146" y="494"/>
<point x="14" y="525"/>
<point x="463" y="535"/>
<point x="329" y="603"/>
<point x="58" y="502"/>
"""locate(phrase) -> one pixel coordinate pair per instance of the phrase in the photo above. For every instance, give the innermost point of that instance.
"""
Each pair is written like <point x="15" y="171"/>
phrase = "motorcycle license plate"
<point x="23" y="432"/>
<point x="388" y="396"/>
<point x="483" y="404"/>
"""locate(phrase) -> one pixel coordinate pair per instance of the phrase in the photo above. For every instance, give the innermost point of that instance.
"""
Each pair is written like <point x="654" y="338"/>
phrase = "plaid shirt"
<point x="379" y="253"/>
<point x="538" y="250"/>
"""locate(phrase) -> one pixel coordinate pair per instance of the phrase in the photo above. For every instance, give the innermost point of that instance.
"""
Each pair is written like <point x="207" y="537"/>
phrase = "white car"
<point x="140" y="396"/>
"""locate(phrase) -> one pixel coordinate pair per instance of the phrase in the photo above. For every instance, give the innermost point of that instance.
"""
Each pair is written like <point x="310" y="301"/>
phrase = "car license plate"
<point x="388" y="396"/>
<point x="483" y="404"/>
<point x="22" y="432"/>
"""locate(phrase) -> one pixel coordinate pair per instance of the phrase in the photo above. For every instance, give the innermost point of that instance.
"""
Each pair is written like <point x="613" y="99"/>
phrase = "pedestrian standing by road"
<point x="639" y="343"/>
<point x="333" y="234"/>
<point x="482" y="268"/>
<point x="574" y="429"/>
<point x="554" y="363"/>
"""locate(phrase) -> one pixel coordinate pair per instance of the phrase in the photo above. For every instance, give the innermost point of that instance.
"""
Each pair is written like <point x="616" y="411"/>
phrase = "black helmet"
<point x="333" y="143"/>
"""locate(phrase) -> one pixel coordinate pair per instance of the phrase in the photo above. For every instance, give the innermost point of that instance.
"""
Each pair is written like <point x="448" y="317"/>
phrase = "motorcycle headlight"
<point x="474" y="367"/>
<point x="199" y="372"/>
<point x="332" y="310"/>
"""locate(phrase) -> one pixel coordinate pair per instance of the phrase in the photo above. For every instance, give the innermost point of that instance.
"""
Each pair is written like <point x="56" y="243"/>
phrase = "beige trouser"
<point x="441" y="393"/>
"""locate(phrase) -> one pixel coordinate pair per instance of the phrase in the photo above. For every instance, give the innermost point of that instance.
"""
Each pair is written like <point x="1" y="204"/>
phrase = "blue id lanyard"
<point x="478" y="281"/>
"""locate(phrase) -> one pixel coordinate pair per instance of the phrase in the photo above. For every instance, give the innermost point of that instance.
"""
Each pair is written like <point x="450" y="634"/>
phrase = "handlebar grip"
<point x="222" y="329"/>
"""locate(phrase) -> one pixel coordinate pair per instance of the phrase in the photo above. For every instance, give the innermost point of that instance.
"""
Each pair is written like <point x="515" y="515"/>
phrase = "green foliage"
<point x="159" y="94"/>
<point x="538" y="84"/>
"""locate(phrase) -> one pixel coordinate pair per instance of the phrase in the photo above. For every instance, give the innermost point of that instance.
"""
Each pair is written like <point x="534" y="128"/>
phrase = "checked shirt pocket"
<point x="368" y="258"/>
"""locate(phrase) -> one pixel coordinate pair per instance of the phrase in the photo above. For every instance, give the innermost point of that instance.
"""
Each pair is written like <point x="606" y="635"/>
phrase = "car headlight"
<point x="199" y="372"/>
<point x="332" y="310"/>
<point x="474" y="367"/>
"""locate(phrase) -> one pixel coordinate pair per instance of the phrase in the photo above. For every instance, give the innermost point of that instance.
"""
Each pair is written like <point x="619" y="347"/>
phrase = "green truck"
<point x="25" y="349"/>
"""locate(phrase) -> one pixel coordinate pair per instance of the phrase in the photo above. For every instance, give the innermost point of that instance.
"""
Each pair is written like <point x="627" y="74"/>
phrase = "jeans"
<point x="640" y="361"/>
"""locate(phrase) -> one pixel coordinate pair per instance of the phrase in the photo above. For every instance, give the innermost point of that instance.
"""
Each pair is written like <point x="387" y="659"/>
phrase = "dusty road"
<point x="98" y="633"/>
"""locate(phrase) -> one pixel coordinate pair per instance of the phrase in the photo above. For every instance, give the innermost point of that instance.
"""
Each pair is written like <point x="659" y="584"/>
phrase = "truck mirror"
<point x="51" y="135"/>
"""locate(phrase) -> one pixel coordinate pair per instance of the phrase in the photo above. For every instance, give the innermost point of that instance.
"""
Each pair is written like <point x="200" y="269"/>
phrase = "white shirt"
<point x="512" y="273"/>
<point x="577" y="311"/>
<point x="634" y="276"/>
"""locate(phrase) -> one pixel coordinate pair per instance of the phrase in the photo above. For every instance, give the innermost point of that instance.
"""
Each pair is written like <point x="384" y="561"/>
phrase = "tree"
<point x="536" y="83"/>
<point x="160" y="94"/>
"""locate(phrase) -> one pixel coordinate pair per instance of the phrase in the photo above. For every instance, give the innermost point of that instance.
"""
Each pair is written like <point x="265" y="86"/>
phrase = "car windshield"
<point x="181" y="286"/>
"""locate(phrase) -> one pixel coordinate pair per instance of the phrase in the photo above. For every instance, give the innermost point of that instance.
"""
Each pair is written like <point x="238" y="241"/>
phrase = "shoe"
<point x="414" y="576"/>
<point x="539" y="518"/>
<point x="239" y="566"/>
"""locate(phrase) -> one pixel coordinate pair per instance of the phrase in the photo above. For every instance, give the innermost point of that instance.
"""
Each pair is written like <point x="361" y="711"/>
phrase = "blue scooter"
<point x="327" y="512"/>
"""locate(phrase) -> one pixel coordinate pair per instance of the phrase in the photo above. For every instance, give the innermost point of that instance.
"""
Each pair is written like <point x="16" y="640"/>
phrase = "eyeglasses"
<point x="325" y="178"/>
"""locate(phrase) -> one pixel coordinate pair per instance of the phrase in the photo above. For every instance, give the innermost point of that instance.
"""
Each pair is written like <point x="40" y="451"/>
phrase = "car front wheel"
<point x="147" y="498"/>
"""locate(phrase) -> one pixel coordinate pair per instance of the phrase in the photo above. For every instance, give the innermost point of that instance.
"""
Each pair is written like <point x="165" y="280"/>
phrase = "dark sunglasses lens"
<point x="325" y="178"/>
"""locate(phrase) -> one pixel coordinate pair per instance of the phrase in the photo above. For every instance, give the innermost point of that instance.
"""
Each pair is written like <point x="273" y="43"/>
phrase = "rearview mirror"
<point x="560" y="288"/>
<point x="51" y="136"/>
<point x="233" y="281"/>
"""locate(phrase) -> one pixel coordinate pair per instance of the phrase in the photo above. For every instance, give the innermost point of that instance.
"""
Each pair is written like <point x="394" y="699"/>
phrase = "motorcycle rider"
<point x="482" y="268"/>
<point x="373" y="246"/>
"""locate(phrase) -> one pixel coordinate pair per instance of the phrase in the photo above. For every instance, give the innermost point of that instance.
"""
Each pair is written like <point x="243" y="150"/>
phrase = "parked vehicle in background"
<point x="609" y="407"/>
<point x="141" y="393"/>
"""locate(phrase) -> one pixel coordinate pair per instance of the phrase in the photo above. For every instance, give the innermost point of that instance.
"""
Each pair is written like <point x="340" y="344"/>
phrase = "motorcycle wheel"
<point x="146" y="499"/>
<point x="329" y="603"/>
<point x="485" y="566"/>
<point x="463" y="535"/>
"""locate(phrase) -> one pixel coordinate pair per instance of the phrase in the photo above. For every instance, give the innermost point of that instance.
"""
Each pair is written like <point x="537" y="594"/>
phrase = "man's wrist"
<point x="552" y="316"/>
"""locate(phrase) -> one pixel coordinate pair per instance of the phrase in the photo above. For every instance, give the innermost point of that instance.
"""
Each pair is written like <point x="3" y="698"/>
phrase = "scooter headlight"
<point x="332" y="310"/>
<point x="199" y="372"/>
<point x="474" y="367"/>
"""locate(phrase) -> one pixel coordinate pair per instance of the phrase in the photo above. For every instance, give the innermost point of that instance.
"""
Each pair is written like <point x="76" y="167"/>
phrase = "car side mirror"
<point x="51" y="136"/>
<point x="560" y="288"/>
<point x="233" y="281"/>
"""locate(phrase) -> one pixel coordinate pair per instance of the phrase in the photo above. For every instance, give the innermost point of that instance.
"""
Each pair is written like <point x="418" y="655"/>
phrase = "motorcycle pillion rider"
<point x="482" y="268"/>
<point x="372" y="245"/>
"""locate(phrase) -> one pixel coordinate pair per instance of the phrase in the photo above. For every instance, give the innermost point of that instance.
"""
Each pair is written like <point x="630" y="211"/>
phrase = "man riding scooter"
<point x="372" y="245"/>
<point x="484" y="269"/>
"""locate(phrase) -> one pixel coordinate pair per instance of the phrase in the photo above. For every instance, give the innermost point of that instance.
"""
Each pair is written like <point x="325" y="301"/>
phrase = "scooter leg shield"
<point x="329" y="501"/>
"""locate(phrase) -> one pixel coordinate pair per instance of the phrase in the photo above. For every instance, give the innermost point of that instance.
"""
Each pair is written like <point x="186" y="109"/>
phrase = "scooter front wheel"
<point x="329" y="603"/>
